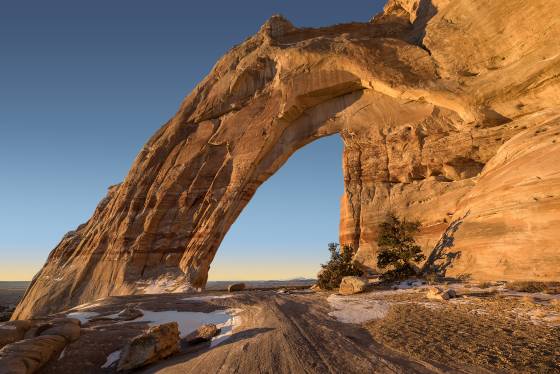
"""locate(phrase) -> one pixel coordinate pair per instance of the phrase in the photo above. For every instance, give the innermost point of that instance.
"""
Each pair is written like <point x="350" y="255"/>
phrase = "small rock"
<point x="236" y="287"/>
<point x="436" y="293"/>
<point x="203" y="334"/>
<point x="282" y="290"/>
<point x="315" y="288"/>
<point x="351" y="285"/>
<point x="155" y="344"/>
<point x="129" y="313"/>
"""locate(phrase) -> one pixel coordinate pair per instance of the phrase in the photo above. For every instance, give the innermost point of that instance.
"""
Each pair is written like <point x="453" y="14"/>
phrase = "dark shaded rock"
<point x="236" y="287"/>
<point x="13" y="331"/>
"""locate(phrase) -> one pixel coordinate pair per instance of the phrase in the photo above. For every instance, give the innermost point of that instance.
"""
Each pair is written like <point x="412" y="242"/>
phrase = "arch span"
<point x="419" y="131"/>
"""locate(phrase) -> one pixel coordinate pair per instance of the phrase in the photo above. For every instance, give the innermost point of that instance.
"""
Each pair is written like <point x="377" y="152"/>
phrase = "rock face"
<point x="449" y="113"/>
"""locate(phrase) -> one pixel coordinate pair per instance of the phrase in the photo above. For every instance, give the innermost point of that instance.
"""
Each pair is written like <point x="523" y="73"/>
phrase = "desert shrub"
<point x="485" y="285"/>
<point x="397" y="250"/>
<point x="534" y="286"/>
<point x="340" y="265"/>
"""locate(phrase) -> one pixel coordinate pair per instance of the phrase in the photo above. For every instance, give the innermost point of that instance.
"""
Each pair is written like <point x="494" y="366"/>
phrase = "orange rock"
<point x="449" y="113"/>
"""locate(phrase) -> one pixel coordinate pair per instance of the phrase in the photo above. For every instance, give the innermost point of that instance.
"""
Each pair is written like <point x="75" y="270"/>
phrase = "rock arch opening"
<point x="284" y="230"/>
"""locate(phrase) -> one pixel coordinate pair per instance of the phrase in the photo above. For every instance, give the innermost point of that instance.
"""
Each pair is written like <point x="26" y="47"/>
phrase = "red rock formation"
<point x="449" y="114"/>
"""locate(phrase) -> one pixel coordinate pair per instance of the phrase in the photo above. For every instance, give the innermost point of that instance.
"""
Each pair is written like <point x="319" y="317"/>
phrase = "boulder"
<point x="236" y="287"/>
<point x="29" y="355"/>
<point x="129" y="313"/>
<point x="351" y="285"/>
<point x="315" y="288"/>
<point x="155" y="344"/>
<point x="437" y="293"/>
<point x="204" y="333"/>
<point x="13" y="331"/>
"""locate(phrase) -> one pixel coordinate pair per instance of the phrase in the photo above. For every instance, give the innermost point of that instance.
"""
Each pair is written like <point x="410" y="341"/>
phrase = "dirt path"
<point x="292" y="334"/>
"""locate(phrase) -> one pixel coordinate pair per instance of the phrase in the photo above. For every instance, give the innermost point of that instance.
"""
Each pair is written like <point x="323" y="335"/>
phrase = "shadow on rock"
<point x="442" y="257"/>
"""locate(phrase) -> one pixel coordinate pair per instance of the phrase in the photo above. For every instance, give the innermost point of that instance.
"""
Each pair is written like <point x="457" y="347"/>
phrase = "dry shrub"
<point x="485" y="285"/>
<point x="534" y="286"/>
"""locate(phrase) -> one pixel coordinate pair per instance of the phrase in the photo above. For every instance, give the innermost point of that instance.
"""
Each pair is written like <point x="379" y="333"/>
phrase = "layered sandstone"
<point x="449" y="113"/>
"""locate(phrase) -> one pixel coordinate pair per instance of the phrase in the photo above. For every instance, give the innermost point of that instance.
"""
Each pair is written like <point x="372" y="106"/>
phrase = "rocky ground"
<point x="299" y="331"/>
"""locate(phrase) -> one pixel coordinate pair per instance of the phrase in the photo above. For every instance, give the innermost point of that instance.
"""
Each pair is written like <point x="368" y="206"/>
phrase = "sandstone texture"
<point x="155" y="344"/>
<point x="449" y="112"/>
<point x="29" y="355"/>
<point x="202" y="334"/>
<point x="351" y="285"/>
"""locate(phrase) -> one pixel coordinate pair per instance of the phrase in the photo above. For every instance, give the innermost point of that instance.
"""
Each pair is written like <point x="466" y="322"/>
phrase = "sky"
<point x="83" y="84"/>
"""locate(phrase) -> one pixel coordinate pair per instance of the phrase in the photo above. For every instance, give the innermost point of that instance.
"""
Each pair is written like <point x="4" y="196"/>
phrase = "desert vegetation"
<point x="340" y="265"/>
<point x="535" y="286"/>
<point x="398" y="251"/>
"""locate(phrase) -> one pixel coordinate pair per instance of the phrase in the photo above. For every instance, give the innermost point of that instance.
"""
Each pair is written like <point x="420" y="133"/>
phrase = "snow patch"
<point x="225" y="320"/>
<point x="190" y="321"/>
<point x="84" y="317"/>
<point x="408" y="284"/>
<point x="111" y="359"/>
<point x="208" y="297"/>
<point x="164" y="285"/>
<point x="357" y="309"/>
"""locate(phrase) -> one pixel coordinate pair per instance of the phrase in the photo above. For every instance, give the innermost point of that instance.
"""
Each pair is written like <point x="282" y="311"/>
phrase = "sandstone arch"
<point x="434" y="125"/>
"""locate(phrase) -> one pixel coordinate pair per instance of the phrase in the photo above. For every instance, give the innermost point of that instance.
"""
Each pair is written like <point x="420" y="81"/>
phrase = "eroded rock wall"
<point x="431" y="100"/>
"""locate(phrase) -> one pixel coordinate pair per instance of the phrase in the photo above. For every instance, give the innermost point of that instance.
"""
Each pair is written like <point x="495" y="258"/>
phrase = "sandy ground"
<point x="474" y="334"/>
<point x="391" y="331"/>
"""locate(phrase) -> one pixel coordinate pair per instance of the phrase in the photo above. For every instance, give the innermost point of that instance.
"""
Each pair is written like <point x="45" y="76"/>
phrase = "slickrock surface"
<point x="449" y="113"/>
<point x="384" y="331"/>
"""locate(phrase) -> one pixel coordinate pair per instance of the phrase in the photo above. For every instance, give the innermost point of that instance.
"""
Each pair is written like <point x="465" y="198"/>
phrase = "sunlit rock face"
<point x="449" y="113"/>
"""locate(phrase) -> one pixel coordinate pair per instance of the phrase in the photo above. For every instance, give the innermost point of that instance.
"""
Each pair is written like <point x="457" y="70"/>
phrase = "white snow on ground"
<point x="188" y="321"/>
<point x="225" y="320"/>
<point x="226" y="328"/>
<point x="408" y="284"/>
<point x="111" y="359"/>
<point x="164" y="285"/>
<point x="84" y="317"/>
<point x="207" y="297"/>
<point x="357" y="309"/>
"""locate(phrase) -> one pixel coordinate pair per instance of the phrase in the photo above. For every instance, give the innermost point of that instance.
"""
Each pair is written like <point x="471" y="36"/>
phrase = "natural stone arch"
<point x="421" y="137"/>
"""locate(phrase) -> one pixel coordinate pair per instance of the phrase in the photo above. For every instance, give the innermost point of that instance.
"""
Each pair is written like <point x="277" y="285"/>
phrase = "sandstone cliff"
<point x="449" y="112"/>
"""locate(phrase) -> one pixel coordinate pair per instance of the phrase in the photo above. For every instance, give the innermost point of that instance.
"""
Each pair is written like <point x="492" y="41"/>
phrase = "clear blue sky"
<point x="83" y="84"/>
